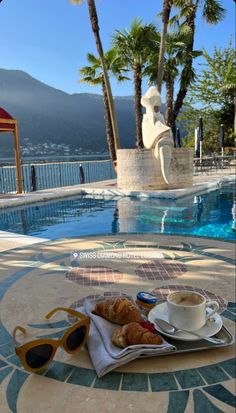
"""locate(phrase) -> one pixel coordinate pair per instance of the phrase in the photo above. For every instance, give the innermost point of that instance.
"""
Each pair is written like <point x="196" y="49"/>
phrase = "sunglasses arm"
<point x="22" y="329"/>
<point x="67" y="310"/>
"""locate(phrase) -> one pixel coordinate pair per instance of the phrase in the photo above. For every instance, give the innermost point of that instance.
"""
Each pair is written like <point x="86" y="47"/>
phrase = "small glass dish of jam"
<point x="145" y="301"/>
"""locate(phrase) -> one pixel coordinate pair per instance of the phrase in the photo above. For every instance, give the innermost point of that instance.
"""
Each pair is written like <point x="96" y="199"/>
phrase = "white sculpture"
<point x="156" y="134"/>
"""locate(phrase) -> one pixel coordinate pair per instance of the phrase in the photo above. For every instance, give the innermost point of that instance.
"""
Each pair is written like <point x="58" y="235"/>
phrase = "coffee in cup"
<point x="189" y="310"/>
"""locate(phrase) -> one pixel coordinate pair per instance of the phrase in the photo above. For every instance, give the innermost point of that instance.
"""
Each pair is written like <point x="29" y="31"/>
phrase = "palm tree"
<point x="95" y="28"/>
<point x="212" y="13"/>
<point x="134" y="47"/>
<point x="175" y="57"/>
<point x="167" y="5"/>
<point x="93" y="75"/>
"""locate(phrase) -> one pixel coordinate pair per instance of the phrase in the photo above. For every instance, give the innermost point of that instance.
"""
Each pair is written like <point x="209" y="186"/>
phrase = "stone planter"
<point x="139" y="170"/>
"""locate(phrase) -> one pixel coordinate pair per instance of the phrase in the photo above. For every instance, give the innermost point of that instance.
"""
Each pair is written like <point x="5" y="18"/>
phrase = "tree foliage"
<point x="166" y="10"/>
<point x="217" y="81"/>
<point x="176" y="53"/>
<point x="134" y="47"/>
<point x="95" y="29"/>
<point x="212" y="12"/>
<point x="93" y="75"/>
<point x="213" y="97"/>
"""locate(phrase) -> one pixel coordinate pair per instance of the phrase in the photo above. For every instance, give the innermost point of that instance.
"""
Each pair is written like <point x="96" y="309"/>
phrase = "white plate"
<point x="209" y="329"/>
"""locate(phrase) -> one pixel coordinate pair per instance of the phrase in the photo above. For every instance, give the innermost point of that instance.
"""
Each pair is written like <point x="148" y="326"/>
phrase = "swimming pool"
<point x="211" y="214"/>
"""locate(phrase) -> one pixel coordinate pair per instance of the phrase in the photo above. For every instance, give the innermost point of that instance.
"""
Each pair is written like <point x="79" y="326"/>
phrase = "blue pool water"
<point x="211" y="214"/>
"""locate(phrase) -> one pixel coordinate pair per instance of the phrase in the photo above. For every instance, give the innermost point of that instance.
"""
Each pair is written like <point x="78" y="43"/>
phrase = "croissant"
<point x="118" y="310"/>
<point x="134" y="333"/>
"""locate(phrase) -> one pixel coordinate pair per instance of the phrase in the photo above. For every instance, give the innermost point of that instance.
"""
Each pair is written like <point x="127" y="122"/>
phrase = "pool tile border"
<point x="103" y="188"/>
<point x="186" y="379"/>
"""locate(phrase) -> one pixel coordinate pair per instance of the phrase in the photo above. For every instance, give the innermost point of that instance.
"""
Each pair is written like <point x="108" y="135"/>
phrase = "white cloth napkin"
<point x="105" y="356"/>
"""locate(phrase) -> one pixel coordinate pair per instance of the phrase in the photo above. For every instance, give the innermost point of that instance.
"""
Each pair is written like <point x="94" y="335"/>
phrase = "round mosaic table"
<point x="38" y="278"/>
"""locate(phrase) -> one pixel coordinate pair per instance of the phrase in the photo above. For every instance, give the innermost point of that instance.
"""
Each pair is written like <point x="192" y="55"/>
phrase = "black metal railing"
<point x="39" y="176"/>
<point x="217" y="163"/>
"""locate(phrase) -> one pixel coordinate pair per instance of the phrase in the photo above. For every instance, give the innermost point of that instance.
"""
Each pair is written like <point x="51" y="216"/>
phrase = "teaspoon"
<point x="170" y="329"/>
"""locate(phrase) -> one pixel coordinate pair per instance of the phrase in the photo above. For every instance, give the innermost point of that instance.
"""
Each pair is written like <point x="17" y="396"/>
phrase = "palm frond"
<point x="134" y="45"/>
<point x="76" y="2"/>
<point x="121" y="78"/>
<point x="91" y="74"/>
<point x="93" y="60"/>
<point x="94" y="82"/>
<point x="196" y="53"/>
<point x="182" y="3"/>
<point x="213" y="12"/>
<point x="174" y="21"/>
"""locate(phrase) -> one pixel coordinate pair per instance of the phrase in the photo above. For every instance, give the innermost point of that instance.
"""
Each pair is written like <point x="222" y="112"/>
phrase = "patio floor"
<point x="36" y="278"/>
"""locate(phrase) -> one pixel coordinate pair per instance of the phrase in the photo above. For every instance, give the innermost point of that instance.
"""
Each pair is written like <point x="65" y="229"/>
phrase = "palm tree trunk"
<point x="137" y="74"/>
<point x="95" y="28"/>
<point x="167" y="4"/>
<point x="109" y="131"/>
<point x="169" y="102"/>
<point x="187" y="70"/>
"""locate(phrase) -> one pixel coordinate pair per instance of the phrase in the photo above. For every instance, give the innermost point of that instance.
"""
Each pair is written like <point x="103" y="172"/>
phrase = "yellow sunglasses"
<point x="37" y="354"/>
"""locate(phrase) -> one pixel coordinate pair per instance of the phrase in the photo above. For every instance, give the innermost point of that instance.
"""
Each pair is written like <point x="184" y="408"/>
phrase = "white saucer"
<point x="211" y="327"/>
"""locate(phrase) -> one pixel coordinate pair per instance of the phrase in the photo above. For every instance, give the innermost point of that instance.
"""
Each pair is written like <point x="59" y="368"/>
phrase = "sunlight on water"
<point x="211" y="214"/>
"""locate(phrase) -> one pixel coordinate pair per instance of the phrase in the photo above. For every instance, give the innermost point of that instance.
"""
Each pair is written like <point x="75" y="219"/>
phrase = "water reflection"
<point x="23" y="220"/>
<point x="210" y="214"/>
<point x="152" y="215"/>
<point x="207" y="214"/>
<point x="234" y="216"/>
<point x="199" y="207"/>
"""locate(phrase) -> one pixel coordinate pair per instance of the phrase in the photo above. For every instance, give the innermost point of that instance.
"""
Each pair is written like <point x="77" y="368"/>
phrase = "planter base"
<point x="140" y="170"/>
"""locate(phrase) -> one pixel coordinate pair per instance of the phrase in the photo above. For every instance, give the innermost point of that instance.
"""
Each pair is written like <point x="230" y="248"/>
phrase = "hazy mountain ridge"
<point x="50" y="115"/>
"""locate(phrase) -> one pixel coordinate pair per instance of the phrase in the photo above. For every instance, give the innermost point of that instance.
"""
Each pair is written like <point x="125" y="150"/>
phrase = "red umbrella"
<point x="4" y="115"/>
<point x="8" y="124"/>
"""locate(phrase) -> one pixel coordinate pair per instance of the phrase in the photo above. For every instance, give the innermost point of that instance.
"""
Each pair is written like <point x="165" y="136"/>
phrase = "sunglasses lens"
<point x="38" y="356"/>
<point x="76" y="338"/>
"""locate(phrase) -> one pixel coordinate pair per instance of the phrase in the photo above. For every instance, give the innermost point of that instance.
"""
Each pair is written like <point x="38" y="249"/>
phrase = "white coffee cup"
<point x="189" y="310"/>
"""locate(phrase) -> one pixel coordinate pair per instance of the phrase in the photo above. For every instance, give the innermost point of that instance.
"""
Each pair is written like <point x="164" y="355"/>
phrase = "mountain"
<point x="49" y="115"/>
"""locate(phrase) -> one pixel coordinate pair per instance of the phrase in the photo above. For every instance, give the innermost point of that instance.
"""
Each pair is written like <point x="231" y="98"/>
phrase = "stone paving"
<point x="38" y="277"/>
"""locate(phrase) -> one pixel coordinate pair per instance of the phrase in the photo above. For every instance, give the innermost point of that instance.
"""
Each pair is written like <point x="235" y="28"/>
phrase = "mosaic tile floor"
<point x="37" y="278"/>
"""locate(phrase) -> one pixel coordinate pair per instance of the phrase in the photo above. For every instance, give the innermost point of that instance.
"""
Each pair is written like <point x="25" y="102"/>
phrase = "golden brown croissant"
<point x="134" y="333"/>
<point x="118" y="310"/>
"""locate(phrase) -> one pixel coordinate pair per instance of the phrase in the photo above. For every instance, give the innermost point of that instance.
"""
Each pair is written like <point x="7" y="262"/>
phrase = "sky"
<point x="49" y="39"/>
